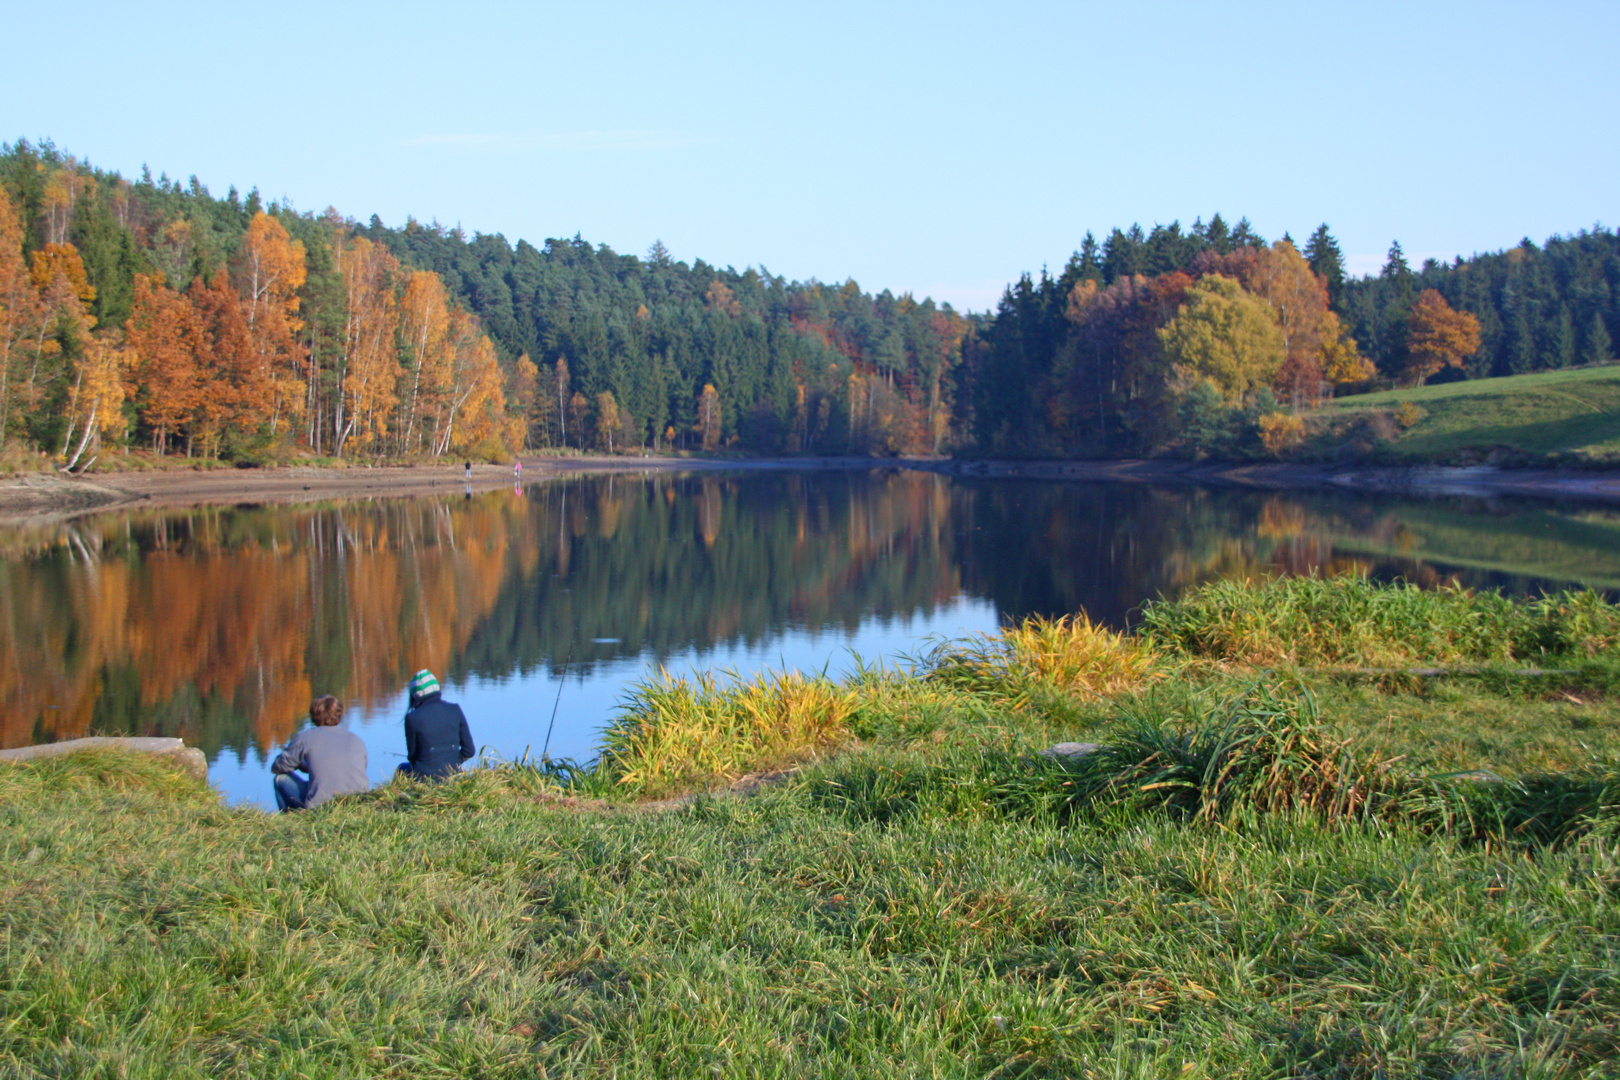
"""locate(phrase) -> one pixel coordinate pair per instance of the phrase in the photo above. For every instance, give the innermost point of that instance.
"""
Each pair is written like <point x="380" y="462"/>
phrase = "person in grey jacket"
<point x="437" y="739"/>
<point x="334" y="758"/>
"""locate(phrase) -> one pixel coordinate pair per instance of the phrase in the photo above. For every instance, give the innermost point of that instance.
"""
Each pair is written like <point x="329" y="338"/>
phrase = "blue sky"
<point x="937" y="148"/>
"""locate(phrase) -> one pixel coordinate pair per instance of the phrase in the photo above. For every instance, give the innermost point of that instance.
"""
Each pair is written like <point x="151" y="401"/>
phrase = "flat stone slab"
<point x="188" y="758"/>
<point x="1069" y="751"/>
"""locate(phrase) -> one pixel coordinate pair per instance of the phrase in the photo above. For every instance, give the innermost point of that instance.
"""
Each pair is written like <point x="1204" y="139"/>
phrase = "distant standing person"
<point x="517" y="469"/>
<point x="334" y="758"/>
<point x="437" y="739"/>
<point x="468" y="467"/>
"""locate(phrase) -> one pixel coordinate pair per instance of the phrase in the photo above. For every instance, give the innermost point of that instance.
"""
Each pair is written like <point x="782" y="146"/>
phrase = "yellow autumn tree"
<point x="368" y="371"/>
<point x="97" y="407"/>
<point x="708" y="416"/>
<point x="1342" y="362"/>
<point x="424" y="323"/>
<point x="532" y="400"/>
<point x="477" y="407"/>
<point x="1226" y="336"/>
<point x="608" y="422"/>
<point x="63" y="191"/>
<point x="63" y="320"/>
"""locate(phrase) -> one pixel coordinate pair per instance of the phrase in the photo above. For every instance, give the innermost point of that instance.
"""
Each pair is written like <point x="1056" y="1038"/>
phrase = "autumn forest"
<point x="154" y="316"/>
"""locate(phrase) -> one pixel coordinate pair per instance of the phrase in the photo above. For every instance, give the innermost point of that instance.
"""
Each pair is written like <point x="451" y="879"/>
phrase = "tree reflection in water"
<point x="218" y="624"/>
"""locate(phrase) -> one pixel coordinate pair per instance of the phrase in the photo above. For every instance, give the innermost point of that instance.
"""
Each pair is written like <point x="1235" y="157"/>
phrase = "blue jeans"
<point x="291" y="791"/>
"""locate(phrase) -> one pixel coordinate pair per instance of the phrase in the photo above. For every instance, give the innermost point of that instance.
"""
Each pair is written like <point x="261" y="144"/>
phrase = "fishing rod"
<point x="561" y="678"/>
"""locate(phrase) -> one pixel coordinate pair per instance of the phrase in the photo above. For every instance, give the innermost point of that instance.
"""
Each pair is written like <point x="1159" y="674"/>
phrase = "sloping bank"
<point x="1291" y="857"/>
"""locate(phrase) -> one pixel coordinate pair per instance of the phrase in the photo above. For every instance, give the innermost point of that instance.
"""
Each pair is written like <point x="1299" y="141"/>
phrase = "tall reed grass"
<point x="1348" y="619"/>
<point x="1259" y="749"/>
<point x="1230" y="754"/>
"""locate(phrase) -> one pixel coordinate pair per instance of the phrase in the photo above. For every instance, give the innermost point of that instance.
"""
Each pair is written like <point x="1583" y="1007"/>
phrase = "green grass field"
<point x="1573" y="413"/>
<point x="928" y="898"/>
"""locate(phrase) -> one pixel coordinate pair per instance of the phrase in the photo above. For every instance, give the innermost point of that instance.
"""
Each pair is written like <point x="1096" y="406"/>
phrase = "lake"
<point x="219" y="624"/>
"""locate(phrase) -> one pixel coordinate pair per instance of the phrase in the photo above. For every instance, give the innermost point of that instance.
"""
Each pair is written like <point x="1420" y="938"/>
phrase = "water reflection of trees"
<point x="219" y="624"/>
<point x="1107" y="548"/>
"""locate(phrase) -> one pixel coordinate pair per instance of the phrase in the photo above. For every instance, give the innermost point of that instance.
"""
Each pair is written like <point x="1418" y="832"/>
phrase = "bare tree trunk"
<point x="89" y="429"/>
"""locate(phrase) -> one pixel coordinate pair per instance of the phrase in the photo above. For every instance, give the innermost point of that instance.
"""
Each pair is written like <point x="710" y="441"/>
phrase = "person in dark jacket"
<point x="334" y="758"/>
<point x="437" y="739"/>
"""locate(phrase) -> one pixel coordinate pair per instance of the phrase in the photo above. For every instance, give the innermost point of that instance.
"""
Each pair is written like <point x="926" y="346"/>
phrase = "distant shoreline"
<point x="42" y="497"/>
<point x="1482" y="481"/>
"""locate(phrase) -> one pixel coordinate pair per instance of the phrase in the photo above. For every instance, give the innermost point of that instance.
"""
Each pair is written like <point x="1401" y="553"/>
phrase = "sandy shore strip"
<point x="45" y="496"/>
<point x="33" y="497"/>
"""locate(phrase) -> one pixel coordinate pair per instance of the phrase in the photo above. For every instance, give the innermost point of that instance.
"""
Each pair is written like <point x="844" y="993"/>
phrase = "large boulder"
<point x="188" y="759"/>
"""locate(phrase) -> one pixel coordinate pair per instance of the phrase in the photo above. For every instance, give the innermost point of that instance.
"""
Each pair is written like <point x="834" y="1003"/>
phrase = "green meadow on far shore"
<point x="1328" y="828"/>
<point x="1552" y="417"/>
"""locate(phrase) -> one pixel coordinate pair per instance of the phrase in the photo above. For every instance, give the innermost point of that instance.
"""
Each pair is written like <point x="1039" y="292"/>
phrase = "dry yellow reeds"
<point x="679" y="734"/>
<point x="1069" y="654"/>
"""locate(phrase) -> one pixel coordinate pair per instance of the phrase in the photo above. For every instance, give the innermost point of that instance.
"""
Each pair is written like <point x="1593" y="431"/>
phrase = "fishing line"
<point x="561" y="678"/>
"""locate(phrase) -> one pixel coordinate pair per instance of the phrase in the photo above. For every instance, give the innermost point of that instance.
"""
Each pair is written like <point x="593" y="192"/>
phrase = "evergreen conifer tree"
<point x="1521" y="355"/>
<point x="1599" y="347"/>
<point x="1561" y="341"/>
<point x="1091" y="267"/>
<point x="1327" y="261"/>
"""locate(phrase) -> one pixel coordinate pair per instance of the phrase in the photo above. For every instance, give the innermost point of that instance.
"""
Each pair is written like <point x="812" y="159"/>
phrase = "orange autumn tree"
<point x="237" y="390"/>
<point x="1438" y="336"/>
<point x="269" y="271"/>
<point x="18" y="304"/>
<point x="166" y="335"/>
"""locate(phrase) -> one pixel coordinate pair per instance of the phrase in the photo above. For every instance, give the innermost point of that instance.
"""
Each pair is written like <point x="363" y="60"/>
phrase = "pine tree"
<point x="1327" y="261"/>
<point x="1395" y="266"/>
<point x="1561" y="341"/>
<point x="1091" y="267"/>
<point x="1243" y="235"/>
<point x="1599" y="347"/>
<point x="1521" y="355"/>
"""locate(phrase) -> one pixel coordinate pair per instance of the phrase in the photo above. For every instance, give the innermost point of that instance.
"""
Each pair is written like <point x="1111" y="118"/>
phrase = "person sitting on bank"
<point x="437" y="739"/>
<point x="334" y="758"/>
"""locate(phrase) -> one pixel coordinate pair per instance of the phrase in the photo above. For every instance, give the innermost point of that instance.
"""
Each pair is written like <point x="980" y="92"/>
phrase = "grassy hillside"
<point x="1262" y="875"/>
<point x="1520" y="419"/>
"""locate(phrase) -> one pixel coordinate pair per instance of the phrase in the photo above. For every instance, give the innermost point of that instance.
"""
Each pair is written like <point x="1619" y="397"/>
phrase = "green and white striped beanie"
<point x="423" y="684"/>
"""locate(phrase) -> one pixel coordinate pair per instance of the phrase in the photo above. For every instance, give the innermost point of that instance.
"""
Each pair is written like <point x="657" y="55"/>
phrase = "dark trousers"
<point x="291" y="791"/>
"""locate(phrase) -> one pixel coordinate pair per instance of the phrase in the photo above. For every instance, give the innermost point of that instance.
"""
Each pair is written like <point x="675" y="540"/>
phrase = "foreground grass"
<point x="1554" y="415"/>
<point x="1262" y="876"/>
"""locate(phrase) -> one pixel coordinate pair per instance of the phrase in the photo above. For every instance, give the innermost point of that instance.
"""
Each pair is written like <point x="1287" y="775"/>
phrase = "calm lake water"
<point x="219" y="624"/>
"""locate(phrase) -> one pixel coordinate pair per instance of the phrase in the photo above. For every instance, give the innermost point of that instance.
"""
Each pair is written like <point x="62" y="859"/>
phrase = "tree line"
<point x="1209" y="340"/>
<point x="152" y="313"/>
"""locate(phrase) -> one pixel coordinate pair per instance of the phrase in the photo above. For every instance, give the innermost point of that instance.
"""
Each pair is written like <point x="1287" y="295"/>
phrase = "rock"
<point x="1070" y="751"/>
<point x="188" y="759"/>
